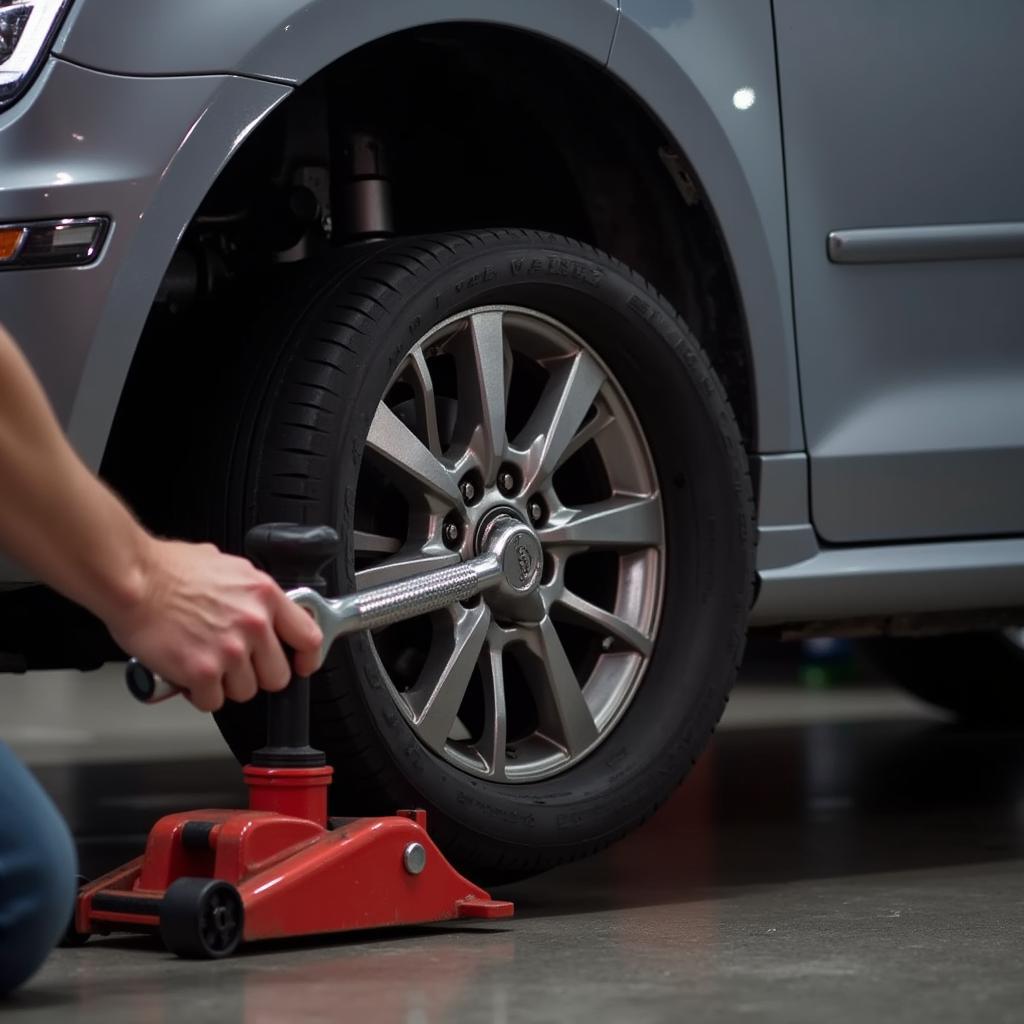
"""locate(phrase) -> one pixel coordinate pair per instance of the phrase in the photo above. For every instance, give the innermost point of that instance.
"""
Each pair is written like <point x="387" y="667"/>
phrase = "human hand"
<point x="213" y="624"/>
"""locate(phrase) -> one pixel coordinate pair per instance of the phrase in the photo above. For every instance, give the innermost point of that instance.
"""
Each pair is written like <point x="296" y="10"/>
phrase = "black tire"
<point x="201" y="918"/>
<point x="328" y="355"/>
<point x="979" y="677"/>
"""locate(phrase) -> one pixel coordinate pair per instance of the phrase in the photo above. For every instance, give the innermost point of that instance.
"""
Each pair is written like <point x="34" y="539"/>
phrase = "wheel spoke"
<point x="495" y="734"/>
<point x="562" y="407"/>
<point x="426" y="401"/>
<point x="481" y="371"/>
<point x="447" y="672"/>
<point x="588" y="432"/>
<point x="595" y="618"/>
<point x="405" y="563"/>
<point x="364" y="542"/>
<point x="620" y="523"/>
<point x="415" y="471"/>
<point x="561" y="700"/>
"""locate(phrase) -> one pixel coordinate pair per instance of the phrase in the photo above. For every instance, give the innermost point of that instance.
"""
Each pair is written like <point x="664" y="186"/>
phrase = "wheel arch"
<point x="291" y="40"/>
<point x="754" y="363"/>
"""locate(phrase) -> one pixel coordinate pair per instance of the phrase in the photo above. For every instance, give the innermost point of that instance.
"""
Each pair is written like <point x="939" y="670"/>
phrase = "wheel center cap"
<point x="518" y="550"/>
<point x="521" y="559"/>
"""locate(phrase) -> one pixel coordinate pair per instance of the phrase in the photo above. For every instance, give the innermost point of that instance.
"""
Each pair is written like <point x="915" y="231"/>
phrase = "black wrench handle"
<point x="147" y="686"/>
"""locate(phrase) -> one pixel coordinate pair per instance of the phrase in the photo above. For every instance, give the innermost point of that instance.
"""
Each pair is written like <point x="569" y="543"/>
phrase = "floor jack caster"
<point x="212" y="879"/>
<point x="201" y="917"/>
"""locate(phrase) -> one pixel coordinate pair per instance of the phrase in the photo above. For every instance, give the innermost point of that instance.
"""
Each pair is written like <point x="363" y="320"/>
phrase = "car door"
<point x="904" y="144"/>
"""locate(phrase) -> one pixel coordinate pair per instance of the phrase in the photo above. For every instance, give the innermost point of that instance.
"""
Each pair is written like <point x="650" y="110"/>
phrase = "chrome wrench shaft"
<point x="511" y="562"/>
<point x="392" y="602"/>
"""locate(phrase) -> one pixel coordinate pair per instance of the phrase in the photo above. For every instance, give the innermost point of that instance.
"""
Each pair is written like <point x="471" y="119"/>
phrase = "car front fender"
<point x="706" y="70"/>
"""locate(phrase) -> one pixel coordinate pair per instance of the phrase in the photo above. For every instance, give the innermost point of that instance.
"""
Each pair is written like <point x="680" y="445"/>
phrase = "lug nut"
<point x="536" y="511"/>
<point x="468" y="491"/>
<point x="451" y="533"/>
<point x="506" y="481"/>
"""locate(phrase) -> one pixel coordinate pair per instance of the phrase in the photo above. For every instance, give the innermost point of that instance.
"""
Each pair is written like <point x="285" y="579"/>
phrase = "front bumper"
<point x="141" y="151"/>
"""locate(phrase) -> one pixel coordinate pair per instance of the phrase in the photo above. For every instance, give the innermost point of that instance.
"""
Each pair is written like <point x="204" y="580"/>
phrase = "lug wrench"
<point x="510" y="562"/>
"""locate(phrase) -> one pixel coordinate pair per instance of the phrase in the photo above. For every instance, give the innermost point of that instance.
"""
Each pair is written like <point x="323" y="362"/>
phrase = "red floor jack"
<point x="212" y="879"/>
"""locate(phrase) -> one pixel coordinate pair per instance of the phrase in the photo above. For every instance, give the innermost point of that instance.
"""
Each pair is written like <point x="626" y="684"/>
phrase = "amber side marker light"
<point x="10" y="242"/>
<point x="68" y="242"/>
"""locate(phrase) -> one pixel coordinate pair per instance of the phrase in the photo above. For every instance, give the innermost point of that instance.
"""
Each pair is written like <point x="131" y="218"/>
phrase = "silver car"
<point x="722" y="297"/>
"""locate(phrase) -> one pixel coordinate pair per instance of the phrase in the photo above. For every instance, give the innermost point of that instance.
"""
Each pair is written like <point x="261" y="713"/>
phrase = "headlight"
<point x="26" y="29"/>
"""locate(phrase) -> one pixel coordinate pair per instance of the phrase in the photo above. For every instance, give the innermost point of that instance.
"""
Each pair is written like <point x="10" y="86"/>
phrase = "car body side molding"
<point x="927" y="242"/>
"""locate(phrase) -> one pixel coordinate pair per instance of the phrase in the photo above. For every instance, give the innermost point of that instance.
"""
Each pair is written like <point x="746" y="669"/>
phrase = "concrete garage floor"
<point x="842" y="855"/>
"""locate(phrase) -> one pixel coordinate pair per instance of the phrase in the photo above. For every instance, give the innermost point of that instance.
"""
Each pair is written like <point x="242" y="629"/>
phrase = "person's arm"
<point x="206" y="620"/>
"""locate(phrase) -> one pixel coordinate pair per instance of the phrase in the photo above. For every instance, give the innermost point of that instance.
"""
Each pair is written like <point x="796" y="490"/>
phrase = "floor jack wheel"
<point x="201" y="918"/>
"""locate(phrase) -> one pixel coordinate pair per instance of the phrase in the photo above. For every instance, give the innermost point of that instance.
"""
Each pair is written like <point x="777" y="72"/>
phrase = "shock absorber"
<point x="365" y="209"/>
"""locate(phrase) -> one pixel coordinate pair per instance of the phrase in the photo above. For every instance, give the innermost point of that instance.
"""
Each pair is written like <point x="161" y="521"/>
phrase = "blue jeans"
<point x="37" y="873"/>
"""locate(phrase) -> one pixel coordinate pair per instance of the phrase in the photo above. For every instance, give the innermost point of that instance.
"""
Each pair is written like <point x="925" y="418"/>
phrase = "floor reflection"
<point x="768" y="806"/>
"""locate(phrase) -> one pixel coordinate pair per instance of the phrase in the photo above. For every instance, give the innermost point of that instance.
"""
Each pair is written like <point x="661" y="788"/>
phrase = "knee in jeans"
<point x="38" y="897"/>
<point x="58" y="871"/>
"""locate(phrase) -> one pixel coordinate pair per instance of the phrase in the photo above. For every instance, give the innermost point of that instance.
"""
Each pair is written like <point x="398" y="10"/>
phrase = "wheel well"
<point x="473" y="127"/>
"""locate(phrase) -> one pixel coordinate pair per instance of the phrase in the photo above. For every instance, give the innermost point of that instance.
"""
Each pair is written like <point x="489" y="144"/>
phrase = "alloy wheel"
<point x="503" y="410"/>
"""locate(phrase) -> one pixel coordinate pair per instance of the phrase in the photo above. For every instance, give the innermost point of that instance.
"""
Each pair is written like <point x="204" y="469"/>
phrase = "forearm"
<point x="62" y="523"/>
